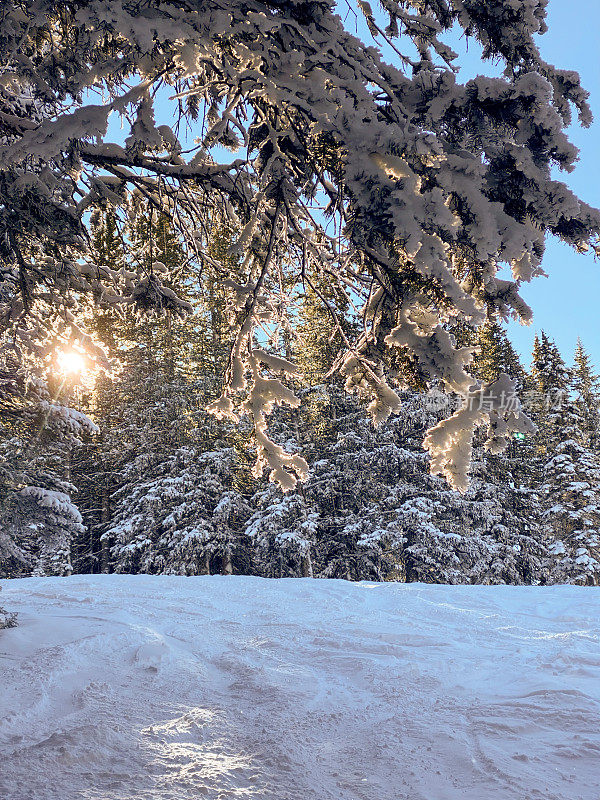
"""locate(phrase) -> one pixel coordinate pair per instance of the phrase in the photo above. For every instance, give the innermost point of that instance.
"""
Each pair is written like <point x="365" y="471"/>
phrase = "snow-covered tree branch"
<point x="406" y="188"/>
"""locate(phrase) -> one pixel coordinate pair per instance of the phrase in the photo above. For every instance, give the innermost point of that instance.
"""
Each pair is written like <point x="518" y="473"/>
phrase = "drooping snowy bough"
<point x="406" y="188"/>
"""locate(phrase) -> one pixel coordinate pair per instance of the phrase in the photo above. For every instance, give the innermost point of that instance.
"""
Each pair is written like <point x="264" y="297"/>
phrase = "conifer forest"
<point x="268" y="338"/>
<point x="124" y="470"/>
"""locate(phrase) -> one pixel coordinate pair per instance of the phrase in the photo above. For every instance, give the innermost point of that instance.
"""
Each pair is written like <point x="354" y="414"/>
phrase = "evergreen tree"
<point x="551" y="384"/>
<point x="107" y="256"/>
<point x="586" y="384"/>
<point x="180" y="516"/>
<point x="213" y="341"/>
<point x="571" y="493"/>
<point x="495" y="355"/>
<point x="154" y="404"/>
<point x="511" y="471"/>
<point x="94" y="467"/>
<point x="281" y="534"/>
<point x="38" y="518"/>
<point x="570" y="471"/>
<point x="324" y="322"/>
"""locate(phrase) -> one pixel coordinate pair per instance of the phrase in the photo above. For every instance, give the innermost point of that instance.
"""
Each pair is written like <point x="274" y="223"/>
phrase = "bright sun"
<point x="70" y="362"/>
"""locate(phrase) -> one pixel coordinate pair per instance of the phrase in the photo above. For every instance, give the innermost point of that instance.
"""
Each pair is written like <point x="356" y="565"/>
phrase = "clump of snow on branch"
<point x="450" y="441"/>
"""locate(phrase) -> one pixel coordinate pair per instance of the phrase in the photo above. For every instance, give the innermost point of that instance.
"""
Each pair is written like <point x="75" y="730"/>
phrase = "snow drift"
<point x="122" y="687"/>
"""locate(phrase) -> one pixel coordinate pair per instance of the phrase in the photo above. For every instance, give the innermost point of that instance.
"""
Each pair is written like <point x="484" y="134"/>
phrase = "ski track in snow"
<point x="156" y="688"/>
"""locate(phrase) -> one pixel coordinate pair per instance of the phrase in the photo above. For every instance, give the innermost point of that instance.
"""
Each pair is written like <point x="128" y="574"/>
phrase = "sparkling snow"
<point x="156" y="688"/>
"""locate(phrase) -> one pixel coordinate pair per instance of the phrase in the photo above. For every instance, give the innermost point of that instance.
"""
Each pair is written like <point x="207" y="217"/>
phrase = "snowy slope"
<point x="127" y="688"/>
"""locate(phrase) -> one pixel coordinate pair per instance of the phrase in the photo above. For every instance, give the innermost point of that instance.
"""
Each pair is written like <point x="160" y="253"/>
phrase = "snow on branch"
<point x="431" y="186"/>
<point x="450" y="441"/>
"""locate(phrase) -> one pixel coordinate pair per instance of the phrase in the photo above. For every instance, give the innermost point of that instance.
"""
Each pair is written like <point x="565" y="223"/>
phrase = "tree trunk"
<point x="306" y="565"/>
<point x="104" y="520"/>
<point x="204" y="568"/>
<point x="227" y="568"/>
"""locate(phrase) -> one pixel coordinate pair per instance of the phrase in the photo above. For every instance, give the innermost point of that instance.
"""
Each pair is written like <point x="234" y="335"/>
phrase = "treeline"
<point x="145" y="480"/>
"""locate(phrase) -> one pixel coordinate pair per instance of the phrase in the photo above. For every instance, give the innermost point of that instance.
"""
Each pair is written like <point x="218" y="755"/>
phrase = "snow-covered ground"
<point x="127" y="688"/>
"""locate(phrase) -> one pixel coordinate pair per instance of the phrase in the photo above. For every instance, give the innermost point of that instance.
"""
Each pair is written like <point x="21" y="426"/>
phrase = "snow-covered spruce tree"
<point x="511" y="474"/>
<point x="183" y="518"/>
<point x="435" y="185"/>
<point x="571" y="493"/>
<point x="38" y="519"/>
<point x="495" y="355"/>
<point x="94" y="468"/>
<point x="586" y="384"/>
<point x="282" y="534"/>
<point x="154" y="423"/>
<point x="317" y="529"/>
<point x="139" y="404"/>
<point x="570" y="479"/>
<point x="551" y="387"/>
